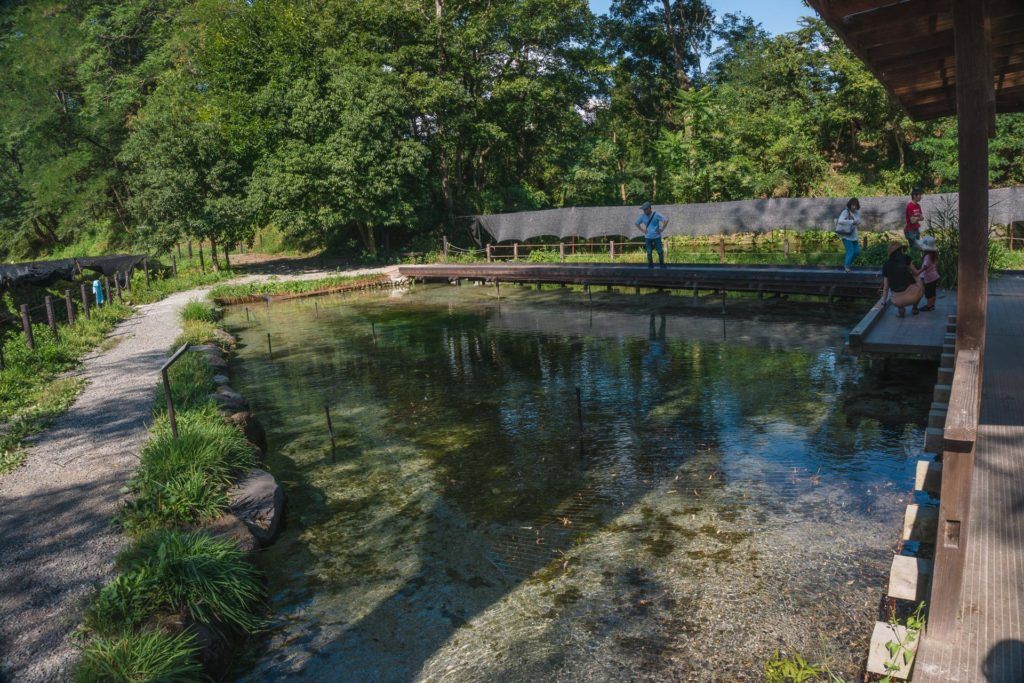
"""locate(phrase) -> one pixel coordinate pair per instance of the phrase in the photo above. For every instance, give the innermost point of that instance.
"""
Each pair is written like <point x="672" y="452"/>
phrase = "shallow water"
<point x="726" y="486"/>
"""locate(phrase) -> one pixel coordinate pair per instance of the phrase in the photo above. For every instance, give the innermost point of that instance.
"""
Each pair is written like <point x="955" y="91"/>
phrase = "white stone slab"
<point x="879" y="655"/>
<point x="908" y="577"/>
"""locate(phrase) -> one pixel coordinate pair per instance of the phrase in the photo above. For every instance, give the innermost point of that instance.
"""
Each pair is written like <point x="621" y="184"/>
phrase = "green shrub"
<point x="198" y="310"/>
<point x="147" y="656"/>
<point x="182" y="481"/>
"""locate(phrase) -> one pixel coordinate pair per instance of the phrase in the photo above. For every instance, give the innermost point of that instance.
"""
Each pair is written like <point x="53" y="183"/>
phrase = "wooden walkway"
<point x="988" y="643"/>
<point x="862" y="283"/>
<point x="881" y="333"/>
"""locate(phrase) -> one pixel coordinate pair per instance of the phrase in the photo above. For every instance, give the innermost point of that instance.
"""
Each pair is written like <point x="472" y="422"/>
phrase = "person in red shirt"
<point x="915" y="218"/>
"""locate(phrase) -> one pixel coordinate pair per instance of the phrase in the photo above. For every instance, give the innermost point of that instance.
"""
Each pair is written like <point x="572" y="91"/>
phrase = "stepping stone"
<point x="909" y="578"/>
<point x="879" y="655"/>
<point x="920" y="523"/>
<point x="928" y="477"/>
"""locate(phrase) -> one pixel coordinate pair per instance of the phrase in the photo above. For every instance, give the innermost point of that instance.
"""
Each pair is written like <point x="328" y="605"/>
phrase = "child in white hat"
<point x="929" y="270"/>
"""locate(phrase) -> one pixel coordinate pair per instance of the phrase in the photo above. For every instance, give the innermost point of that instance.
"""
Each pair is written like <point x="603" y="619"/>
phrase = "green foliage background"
<point x="382" y="123"/>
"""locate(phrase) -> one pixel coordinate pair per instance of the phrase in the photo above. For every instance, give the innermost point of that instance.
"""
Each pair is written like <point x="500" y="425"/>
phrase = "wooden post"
<point x="488" y="253"/>
<point x="106" y="291"/>
<point x="611" y="249"/>
<point x="171" y="417"/>
<point x="117" y="286"/>
<point x="51" y="319"/>
<point x="721" y="250"/>
<point x="515" y="251"/>
<point x="974" y="90"/>
<point x="190" y="248"/>
<point x="145" y="269"/>
<point x="270" y="347"/>
<point x="174" y="265"/>
<point x="785" y="247"/>
<point x="85" y="300"/>
<point x="70" y="306"/>
<point x="561" y="252"/>
<point x="227" y="261"/>
<point x="444" y="248"/>
<point x="26" y="326"/>
<point x="178" y="245"/>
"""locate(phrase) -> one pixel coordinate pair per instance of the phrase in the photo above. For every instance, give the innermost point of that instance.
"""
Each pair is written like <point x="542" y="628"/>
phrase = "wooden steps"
<point x="909" y="575"/>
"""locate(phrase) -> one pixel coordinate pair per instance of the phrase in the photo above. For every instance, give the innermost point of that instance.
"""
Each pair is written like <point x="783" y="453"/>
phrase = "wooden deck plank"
<point x="919" y="335"/>
<point x="988" y="643"/>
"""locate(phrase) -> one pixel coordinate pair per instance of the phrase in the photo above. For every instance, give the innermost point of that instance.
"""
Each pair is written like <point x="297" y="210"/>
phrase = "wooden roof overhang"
<point x="909" y="47"/>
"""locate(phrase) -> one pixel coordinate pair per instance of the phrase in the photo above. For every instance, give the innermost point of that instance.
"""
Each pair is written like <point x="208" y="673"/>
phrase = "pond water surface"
<point x="726" y="485"/>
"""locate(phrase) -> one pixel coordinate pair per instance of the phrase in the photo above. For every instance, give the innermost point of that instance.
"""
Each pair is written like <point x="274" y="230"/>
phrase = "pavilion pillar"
<point x="975" y="100"/>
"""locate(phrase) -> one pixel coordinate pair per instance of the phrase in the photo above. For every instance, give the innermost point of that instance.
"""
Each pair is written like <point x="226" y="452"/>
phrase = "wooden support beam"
<point x="974" y="92"/>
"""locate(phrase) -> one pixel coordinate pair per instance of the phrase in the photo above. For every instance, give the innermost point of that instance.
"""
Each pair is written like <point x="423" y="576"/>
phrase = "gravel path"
<point x="56" y="542"/>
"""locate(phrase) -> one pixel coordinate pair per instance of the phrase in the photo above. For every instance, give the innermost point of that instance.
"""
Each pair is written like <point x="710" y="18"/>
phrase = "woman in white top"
<point x="846" y="228"/>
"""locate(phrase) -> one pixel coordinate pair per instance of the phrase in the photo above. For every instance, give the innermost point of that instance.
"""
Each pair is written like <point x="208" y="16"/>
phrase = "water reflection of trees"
<point x="492" y="412"/>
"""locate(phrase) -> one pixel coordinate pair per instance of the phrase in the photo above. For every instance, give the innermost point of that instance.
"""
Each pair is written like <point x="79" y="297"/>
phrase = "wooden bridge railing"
<point x="959" y="438"/>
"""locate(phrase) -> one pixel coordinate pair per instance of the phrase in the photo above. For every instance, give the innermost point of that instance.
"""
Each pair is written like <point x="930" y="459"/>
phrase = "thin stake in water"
<point x="579" y="410"/>
<point x="330" y="430"/>
<point x="373" y="329"/>
<point x="246" y="314"/>
<point x="270" y="348"/>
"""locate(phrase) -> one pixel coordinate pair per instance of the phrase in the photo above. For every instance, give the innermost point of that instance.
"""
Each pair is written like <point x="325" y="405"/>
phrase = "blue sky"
<point x="777" y="16"/>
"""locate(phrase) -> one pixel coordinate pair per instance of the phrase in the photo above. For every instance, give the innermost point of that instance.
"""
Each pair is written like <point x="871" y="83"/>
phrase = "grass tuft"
<point x="198" y="311"/>
<point x="191" y="383"/>
<point x="183" y="481"/>
<point x="198" y="332"/>
<point x="171" y="572"/>
<point x="147" y="656"/>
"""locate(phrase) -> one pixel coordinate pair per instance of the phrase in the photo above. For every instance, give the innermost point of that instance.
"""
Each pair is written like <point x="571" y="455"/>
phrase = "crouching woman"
<point x="900" y="279"/>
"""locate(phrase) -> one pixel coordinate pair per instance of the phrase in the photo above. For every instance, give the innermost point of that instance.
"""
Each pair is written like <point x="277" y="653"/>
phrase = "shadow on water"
<point x="461" y="481"/>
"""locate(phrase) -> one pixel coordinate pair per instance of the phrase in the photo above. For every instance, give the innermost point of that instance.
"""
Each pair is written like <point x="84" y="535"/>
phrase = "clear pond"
<point x="728" y="484"/>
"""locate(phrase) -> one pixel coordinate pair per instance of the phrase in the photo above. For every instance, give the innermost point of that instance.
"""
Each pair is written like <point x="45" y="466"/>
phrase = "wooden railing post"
<point x="85" y="300"/>
<point x="515" y="251"/>
<point x="26" y="326"/>
<point x="444" y="248"/>
<point x="561" y="252"/>
<point x="489" y="257"/>
<point x="721" y="250"/>
<point x="70" y="306"/>
<point x="51" y="319"/>
<point x="611" y="249"/>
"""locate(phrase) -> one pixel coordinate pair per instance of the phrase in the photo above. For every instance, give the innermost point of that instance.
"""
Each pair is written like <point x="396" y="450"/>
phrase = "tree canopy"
<point x="354" y="125"/>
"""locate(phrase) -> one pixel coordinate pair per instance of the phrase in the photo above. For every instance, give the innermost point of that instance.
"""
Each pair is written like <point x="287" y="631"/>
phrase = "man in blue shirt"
<point x="652" y="224"/>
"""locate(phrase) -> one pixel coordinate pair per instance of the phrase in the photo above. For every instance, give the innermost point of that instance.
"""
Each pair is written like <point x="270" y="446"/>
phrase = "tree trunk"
<point x="677" y="40"/>
<point x="366" y="234"/>
<point x="227" y="263"/>
<point x="213" y="254"/>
